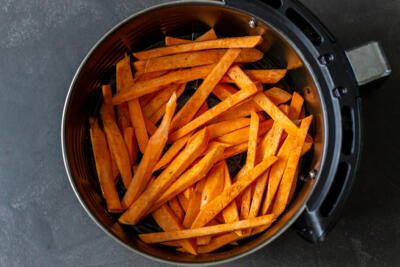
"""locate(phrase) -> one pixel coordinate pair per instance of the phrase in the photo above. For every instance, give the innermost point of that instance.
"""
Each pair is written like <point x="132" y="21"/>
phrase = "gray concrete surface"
<point x="41" y="221"/>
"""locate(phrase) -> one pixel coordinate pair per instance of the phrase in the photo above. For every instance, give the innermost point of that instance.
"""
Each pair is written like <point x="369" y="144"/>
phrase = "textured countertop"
<point x="41" y="222"/>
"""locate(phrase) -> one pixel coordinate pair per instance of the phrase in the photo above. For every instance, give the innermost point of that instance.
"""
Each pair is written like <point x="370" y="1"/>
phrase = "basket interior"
<point x="148" y="30"/>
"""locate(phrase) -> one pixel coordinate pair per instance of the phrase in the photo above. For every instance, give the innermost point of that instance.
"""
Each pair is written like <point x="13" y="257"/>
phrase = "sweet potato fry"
<point x="234" y="150"/>
<point x="151" y="155"/>
<point x="103" y="167"/>
<point x="208" y="35"/>
<point x="151" y="128"/>
<point x="218" y="242"/>
<point x="241" y="135"/>
<point x="285" y="186"/>
<point x="277" y="96"/>
<point x="183" y="201"/>
<point x="262" y="76"/>
<point x="176" y="208"/>
<point x="236" y="42"/>
<point x="144" y="100"/>
<point x="114" y="168"/>
<point x="193" y="59"/>
<point x="275" y="113"/>
<point x="137" y="120"/>
<point x="213" y="182"/>
<point x="187" y="112"/>
<point x="158" y="100"/>
<point x="139" y="208"/>
<point x="156" y="116"/>
<point x="295" y="106"/>
<point x="216" y="205"/>
<point x="248" y="89"/>
<point x="124" y="79"/>
<point x="188" y="193"/>
<point x="191" y="176"/>
<point x="131" y="145"/>
<point x="167" y="220"/>
<point x="276" y="172"/>
<point x="171" y="153"/>
<point x="222" y="128"/>
<point x="269" y="146"/>
<point x="230" y="213"/>
<point x="250" y="162"/>
<point x="142" y="88"/>
<point x="222" y="91"/>
<point x="114" y="138"/>
<point x="140" y="77"/>
<point x="208" y="230"/>
<point x="285" y="109"/>
<point x="194" y="205"/>
<point x="237" y="149"/>
<point x="202" y="109"/>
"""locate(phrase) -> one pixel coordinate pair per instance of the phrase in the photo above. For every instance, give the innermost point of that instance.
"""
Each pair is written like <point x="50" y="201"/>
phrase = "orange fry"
<point x="224" y="127"/>
<point x="208" y="230"/>
<point x="131" y="145"/>
<point x="191" y="176"/>
<point x="285" y="186"/>
<point x="241" y="135"/>
<point x="218" y="242"/>
<point x="209" y="35"/>
<point x="276" y="172"/>
<point x="213" y="182"/>
<point x="141" y="88"/>
<point x="193" y="59"/>
<point x="157" y="115"/>
<point x="222" y="91"/>
<point x="171" y="153"/>
<point x="167" y="220"/>
<point x="230" y="213"/>
<point x="194" y="205"/>
<point x="248" y="89"/>
<point x="275" y="113"/>
<point x="123" y="80"/>
<point x="158" y="100"/>
<point x="151" y="155"/>
<point x="202" y="109"/>
<point x="183" y="201"/>
<point x="114" y="138"/>
<point x="187" y="112"/>
<point x="295" y="106"/>
<point x="262" y="76"/>
<point x="277" y="96"/>
<point x="250" y="162"/>
<point x="269" y="147"/>
<point x="139" y="208"/>
<point x="103" y="167"/>
<point x="176" y="208"/>
<point x="211" y="209"/>
<point x="236" y="42"/>
<point x="151" y="128"/>
<point x="136" y="115"/>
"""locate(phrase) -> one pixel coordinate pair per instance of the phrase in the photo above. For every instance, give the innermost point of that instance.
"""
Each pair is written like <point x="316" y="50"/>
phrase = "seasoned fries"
<point x="172" y="155"/>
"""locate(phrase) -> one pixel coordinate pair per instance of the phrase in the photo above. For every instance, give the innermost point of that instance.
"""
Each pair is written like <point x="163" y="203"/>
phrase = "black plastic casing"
<point x="340" y="92"/>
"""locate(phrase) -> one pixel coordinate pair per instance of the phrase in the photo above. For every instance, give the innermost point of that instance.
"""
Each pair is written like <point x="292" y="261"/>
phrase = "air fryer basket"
<point x="293" y="39"/>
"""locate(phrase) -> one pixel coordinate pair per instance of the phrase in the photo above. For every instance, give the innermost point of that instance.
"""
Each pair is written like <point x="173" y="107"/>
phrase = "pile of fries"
<point x="192" y="197"/>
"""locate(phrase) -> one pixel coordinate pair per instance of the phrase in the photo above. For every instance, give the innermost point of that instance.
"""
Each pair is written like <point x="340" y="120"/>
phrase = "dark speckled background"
<point x="41" y="222"/>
